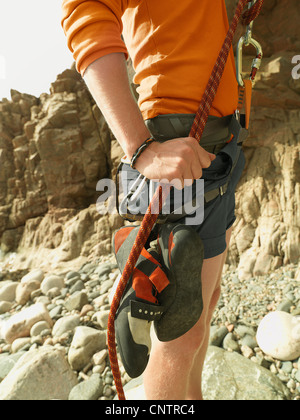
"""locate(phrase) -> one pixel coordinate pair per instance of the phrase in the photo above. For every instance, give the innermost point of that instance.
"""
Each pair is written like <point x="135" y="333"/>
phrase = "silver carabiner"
<point x="136" y="188"/>
<point x="245" y="41"/>
<point x="239" y="58"/>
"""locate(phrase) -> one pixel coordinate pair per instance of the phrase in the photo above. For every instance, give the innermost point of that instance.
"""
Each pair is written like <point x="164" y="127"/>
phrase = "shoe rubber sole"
<point x="182" y="259"/>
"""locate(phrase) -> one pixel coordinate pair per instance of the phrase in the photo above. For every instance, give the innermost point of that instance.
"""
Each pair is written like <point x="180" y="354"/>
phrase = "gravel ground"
<point x="239" y="311"/>
<point x="243" y="304"/>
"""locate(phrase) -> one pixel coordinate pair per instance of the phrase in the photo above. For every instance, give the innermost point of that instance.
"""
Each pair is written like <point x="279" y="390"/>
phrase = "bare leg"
<point x="175" y="367"/>
<point x="194" y="389"/>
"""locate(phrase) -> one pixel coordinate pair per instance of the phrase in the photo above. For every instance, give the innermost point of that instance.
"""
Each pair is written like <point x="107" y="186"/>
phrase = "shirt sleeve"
<point x="93" y="29"/>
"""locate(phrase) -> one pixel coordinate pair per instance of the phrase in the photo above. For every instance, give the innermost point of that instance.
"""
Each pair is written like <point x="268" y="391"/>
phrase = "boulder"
<point x="90" y="389"/>
<point x="52" y="281"/>
<point x="86" y="342"/>
<point x="42" y="374"/>
<point x="36" y="275"/>
<point x="278" y="335"/>
<point x="228" y="376"/>
<point x="24" y="290"/>
<point x="19" y="325"/>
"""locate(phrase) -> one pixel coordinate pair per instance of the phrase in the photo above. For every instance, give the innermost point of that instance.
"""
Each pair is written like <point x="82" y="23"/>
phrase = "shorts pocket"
<point x="220" y="169"/>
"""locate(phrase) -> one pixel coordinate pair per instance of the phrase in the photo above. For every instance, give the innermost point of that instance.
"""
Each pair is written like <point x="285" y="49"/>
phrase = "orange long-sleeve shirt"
<point x="173" y="45"/>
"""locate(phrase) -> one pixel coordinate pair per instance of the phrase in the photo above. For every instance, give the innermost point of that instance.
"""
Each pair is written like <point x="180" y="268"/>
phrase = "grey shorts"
<point x="219" y="214"/>
<point x="225" y="170"/>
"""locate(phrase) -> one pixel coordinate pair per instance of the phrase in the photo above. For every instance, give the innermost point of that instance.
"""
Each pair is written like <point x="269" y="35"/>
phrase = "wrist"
<point x="140" y="150"/>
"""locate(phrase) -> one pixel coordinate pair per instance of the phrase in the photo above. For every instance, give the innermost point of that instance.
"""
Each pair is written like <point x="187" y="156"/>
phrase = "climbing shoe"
<point x="138" y="305"/>
<point x="181" y="258"/>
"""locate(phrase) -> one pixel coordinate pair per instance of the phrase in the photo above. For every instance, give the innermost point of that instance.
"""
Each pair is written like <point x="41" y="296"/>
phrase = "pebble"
<point x="5" y="307"/>
<point x="65" y="324"/>
<point x="99" y="357"/>
<point x="86" y="342"/>
<point x="20" y="344"/>
<point x="247" y="351"/>
<point x="55" y="312"/>
<point x="76" y="301"/>
<point x="217" y="335"/>
<point x="77" y="286"/>
<point x="101" y="318"/>
<point x="249" y="341"/>
<point x="38" y="328"/>
<point x="76" y="304"/>
<point x="230" y="344"/>
<point x="86" y="309"/>
<point x="287" y="367"/>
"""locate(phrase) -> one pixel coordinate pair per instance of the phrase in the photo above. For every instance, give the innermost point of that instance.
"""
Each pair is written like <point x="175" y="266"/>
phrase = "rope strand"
<point x="147" y="224"/>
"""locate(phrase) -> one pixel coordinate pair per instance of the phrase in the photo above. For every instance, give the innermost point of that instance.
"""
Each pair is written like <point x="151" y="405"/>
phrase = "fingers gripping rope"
<point x="161" y="194"/>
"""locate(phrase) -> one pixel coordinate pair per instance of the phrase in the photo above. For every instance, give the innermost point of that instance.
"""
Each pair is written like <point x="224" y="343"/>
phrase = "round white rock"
<point x="278" y="335"/>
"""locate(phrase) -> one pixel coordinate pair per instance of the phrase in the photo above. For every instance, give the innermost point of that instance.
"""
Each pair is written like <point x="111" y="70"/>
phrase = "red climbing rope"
<point x="217" y="72"/>
<point x="147" y="224"/>
<point x="160" y="195"/>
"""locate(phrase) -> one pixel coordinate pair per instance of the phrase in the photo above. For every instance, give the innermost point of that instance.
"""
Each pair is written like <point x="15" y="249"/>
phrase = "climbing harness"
<point x="160" y="195"/>
<point x="136" y="197"/>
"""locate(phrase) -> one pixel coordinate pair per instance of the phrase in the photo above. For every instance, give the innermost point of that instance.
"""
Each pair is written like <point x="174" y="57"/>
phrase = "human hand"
<point x="177" y="162"/>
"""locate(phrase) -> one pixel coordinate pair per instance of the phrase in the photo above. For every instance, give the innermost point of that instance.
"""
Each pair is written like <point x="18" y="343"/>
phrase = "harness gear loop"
<point x="161" y="193"/>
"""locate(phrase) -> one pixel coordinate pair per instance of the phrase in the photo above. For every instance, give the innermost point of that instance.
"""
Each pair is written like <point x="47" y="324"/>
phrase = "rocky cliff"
<point x="267" y="230"/>
<point x="54" y="149"/>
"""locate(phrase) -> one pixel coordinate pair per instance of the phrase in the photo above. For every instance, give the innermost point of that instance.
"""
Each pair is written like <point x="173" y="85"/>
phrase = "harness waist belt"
<point x="217" y="134"/>
<point x="169" y="126"/>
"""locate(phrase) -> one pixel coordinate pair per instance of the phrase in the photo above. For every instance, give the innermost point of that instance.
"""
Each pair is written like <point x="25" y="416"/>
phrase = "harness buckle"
<point x="222" y="189"/>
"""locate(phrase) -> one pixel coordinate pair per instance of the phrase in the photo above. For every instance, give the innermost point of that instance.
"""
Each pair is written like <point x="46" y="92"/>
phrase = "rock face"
<point x="267" y="230"/>
<point x="54" y="149"/>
